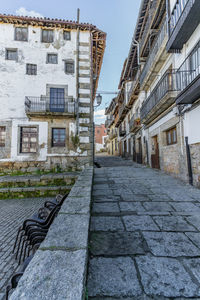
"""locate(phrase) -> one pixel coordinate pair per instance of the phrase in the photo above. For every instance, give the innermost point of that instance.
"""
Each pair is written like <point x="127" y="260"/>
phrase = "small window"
<point x="47" y="36"/>
<point x="69" y="67"/>
<point x="67" y="35"/>
<point x="52" y="58"/>
<point x="2" y="136"/>
<point x="11" y="54"/>
<point x="21" y="34"/>
<point x="31" y="69"/>
<point x="171" y="136"/>
<point x="58" y="137"/>
<point x="28" y="140"/>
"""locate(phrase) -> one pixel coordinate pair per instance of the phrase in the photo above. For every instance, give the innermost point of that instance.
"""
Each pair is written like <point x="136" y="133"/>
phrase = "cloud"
<point x="22" y="11"/>
<point x="99" y="116"/>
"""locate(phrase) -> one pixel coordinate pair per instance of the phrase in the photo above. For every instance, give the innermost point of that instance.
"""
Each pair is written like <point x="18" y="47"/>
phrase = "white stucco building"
<point x="49" y="72"/>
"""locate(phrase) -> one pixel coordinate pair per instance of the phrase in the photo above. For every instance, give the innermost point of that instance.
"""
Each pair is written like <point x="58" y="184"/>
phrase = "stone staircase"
<point x="29" y="186"/>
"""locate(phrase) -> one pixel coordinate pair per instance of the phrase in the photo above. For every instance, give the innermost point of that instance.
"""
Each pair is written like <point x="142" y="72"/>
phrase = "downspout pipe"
<point x="189" y="163"/>
<point x="137" y="44"/>
<point x="77" y="73"/>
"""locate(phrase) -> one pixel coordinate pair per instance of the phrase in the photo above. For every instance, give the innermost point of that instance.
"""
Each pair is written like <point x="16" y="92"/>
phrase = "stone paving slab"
<point x="150" y="247"/>
<point x="170" y="244"/>
<point x="120" y="243"/>
<point x="113" y="277"/>
<point x="165" y="276"/>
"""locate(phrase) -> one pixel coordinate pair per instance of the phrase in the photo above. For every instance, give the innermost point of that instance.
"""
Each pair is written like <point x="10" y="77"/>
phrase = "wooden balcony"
<point x="45" y="106"/>
<point x="123" y="109"/>
<point x="161" y="98"/>
<point x="183" y="21"/>
<point x="188" y="78"/>
<point x="134" y="123"/>
<point x="134" y="89"/>
<point x="113" y="134"/>
<point x="156" y="58"/>
<point x="109" y="121"/>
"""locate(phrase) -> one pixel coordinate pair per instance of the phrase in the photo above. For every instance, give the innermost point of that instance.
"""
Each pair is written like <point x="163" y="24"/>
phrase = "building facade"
<point x="112" y="141"/>
<point x="100" y="137"/>
<point x="49" y="75"/>
<point x="159" y="98"/>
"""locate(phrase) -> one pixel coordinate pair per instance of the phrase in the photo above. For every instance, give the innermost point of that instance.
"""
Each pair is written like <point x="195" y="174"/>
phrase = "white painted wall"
<point x="16" y="84"/>
<point x="192" y="125"/>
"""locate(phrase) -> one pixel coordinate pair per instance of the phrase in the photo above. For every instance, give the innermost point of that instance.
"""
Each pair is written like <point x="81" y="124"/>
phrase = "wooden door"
<point x="155" y="160"/>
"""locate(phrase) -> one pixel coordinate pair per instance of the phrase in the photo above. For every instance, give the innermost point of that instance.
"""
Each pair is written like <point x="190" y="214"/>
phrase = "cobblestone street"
<point x="144" y="234"/>
<point x="12" y="214"/>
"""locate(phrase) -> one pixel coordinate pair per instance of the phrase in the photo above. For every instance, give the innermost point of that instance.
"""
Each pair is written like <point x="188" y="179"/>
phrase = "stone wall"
<point x="195" y="158"/>
<point x="58" y="269"/>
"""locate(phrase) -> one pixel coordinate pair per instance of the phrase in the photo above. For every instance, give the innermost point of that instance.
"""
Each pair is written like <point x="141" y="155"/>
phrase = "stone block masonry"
<point x="58" y="269"/>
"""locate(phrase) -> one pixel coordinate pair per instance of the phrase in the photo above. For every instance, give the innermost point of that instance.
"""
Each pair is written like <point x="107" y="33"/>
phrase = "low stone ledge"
<point x="58" y="269"/>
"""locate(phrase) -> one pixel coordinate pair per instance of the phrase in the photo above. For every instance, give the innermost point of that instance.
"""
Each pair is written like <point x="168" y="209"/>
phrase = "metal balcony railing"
<point x="113" y="134"/>
<point x="109" y="121"/>
<point x="134" y="122"/>
<point x="162" y="34"/>
<point x="181" y="7"/>
<point x="190" y="68"/>
<point x="165" y="85"/>
<point x="122" y="131"/>
<point x="45" y="104"/>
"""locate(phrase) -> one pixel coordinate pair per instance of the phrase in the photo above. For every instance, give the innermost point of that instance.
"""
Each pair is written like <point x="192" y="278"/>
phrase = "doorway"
<point x="155" y="159"/>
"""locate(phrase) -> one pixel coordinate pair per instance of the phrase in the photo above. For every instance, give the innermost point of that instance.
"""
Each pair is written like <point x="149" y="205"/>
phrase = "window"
<point x="28" y="139"/>
<point x="11" y="54"/>
<point x="58" y="137"/>
<point x="2" y="136"/>
<point x="31" y="69"/>
<point x="69" y="67"/>
<point x="171" y="136"/>
<point x="47" y="36"/>
<point x="21" y="33"/>
<point x="67" y="35"/>
<point x="52" y="58"/>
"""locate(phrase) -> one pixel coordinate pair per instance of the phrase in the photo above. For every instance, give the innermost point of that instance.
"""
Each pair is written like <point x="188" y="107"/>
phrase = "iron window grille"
<point x="171" y="136"/>
<point x="31" y="69"/>
<point x="67" y="35"/>
<point x="11" y="54"/>
<point x="52" y="58"/>
<point x="21" y="34"/>
<point x="2" y="136"/>
<point x="47" y="36"/>
<point x="58" y="137"/>
<point x="28" y="139"/>
<point x="69" y="67"/>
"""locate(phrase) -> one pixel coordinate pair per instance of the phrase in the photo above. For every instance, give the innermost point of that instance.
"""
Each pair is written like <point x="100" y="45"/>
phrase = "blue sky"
<point x="116" y="17"/>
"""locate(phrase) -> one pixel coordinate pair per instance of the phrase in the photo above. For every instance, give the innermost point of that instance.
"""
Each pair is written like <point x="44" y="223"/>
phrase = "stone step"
<point x="33" y="192"/>
<point x="51" y="179"/>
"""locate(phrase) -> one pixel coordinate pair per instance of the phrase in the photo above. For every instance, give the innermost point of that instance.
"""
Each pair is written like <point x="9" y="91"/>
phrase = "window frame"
<point x="11" y="50"/>
<point x="42" y="37"/>
<point x="170" y="132"/>
<point x="58" y="144"/>
<point x="69" y="32"/>
<point x="52" y="63"/>
<point x="69" y="62"/>
<point x="29" y="142"/>
<point x="15" y="34"/>
<point x="31" y="70"/>
<point x="3" y="144"/>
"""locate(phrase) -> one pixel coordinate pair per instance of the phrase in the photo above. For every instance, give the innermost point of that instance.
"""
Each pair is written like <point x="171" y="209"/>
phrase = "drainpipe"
<point x="137" y="44"/>
<point x="189" y="163"/>
<point x="77" y="72"/>
<point x="167" y="15"/>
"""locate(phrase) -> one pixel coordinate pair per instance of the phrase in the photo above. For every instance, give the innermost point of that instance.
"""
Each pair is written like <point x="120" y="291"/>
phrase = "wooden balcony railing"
<point x="157" y="45"/>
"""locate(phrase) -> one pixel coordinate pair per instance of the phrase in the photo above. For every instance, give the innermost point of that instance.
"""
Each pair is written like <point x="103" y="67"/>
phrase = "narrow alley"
<point x="144" y="234"/>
